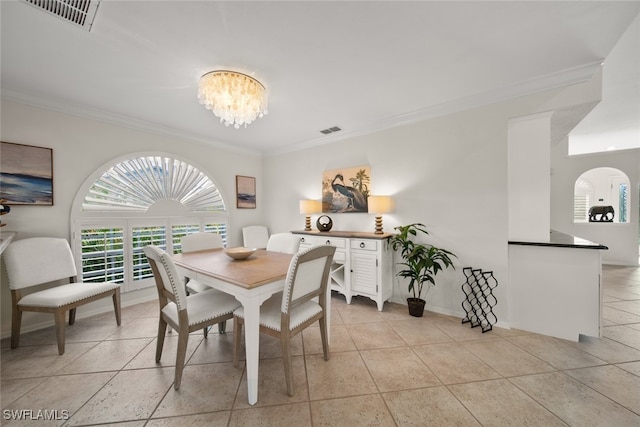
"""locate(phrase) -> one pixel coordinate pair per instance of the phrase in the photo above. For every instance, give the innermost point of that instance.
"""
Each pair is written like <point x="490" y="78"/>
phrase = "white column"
<point x="529" y="177"/>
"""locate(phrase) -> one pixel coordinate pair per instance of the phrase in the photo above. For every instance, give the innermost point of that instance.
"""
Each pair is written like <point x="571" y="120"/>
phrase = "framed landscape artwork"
<point x="245" y="192"/>
<point x="26" y="174"/>
<point x="346" y="190"/>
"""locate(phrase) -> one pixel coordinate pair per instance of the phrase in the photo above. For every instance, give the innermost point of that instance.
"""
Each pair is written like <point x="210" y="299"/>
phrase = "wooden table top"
<point x="259" y="269"/>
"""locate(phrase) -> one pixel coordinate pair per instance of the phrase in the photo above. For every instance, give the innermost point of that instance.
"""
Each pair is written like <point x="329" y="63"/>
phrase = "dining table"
<point x="251" y="281"/>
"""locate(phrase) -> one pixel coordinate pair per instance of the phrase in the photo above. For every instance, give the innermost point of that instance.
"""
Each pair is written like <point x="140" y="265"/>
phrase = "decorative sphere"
<point x="324" y="223"/>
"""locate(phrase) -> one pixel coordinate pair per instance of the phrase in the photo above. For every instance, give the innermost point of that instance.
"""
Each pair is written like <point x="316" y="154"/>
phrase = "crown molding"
<point x="562" y="78"/>
<point x="550" y="81"/>
<point x="120" y="120"/>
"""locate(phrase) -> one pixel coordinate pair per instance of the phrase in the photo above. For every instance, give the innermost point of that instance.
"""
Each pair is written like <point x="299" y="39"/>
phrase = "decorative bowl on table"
<point x="239" y="253"/>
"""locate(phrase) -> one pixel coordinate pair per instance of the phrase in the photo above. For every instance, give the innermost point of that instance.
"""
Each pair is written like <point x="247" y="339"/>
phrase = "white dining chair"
<point x="183" y="313"/>
<point x="40" y="260"/>
<point x="255" y="236"/>
<point x="302" y="303"/>
<point x="288" y="243"/>
<point x="199" y="242"/>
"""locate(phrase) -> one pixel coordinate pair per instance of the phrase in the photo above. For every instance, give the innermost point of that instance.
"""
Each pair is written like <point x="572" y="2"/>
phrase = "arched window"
<point x="602" y="187"/>
<point x="139" y="200"/>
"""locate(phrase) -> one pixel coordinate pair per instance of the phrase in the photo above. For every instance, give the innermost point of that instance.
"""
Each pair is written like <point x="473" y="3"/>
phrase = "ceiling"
<point x="362" y="66"/>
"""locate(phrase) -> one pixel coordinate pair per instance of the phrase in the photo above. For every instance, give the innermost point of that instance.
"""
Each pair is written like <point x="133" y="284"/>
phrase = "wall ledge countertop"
<point x="558" y="239"/>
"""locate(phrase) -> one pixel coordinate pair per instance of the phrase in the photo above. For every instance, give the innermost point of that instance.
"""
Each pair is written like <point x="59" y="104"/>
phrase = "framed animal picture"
<point x="346" y="190"/>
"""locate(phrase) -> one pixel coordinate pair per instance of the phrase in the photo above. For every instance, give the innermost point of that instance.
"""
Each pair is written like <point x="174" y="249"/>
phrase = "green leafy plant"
<point x="421" y="262"/>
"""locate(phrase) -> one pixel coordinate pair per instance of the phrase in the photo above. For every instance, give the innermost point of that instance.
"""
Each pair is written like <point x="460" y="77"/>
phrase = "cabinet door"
<point x="364" y="272"/>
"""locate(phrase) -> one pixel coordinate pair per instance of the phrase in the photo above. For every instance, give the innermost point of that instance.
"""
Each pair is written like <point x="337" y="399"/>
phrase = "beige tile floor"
<point x="386" y="369"/>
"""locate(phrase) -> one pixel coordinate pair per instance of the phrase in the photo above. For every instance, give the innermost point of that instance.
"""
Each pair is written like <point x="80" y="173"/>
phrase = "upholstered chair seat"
<point x="66" y="294"/>
<point x="203" y="307"/>
<point x="271" y="316"/>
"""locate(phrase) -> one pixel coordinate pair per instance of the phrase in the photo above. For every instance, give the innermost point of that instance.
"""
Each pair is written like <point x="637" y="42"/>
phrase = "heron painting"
<point x="346" y="190"/>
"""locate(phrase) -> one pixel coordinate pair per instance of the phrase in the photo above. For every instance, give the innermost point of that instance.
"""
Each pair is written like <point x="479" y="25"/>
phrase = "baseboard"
<point x="620" y="264"/>
<point x="453" y="313"/>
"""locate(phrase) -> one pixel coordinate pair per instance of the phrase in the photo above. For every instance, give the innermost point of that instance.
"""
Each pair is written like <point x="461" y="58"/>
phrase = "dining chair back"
<point x="183" y="313"/>
<point x="288" y="243"/>
<point x="201" y="241"/>
<point x="255" y="236"/>
<point x="302" y="303"/>
<point x="44" y="260"/>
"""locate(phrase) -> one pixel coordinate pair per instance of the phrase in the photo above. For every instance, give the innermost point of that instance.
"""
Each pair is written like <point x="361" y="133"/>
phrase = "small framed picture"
<point x="26" y="174"/>
<point x="245" y="192"/>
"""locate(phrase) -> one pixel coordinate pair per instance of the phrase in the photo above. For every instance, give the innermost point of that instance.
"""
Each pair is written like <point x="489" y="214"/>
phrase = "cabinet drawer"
<point x="367" y="245"/>
<point x="339" y="257"/>
<point x="319" y="240"/>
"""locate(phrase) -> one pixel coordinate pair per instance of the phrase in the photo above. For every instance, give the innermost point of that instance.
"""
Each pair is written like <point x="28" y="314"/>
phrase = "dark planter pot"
<point x="416" y="306"/>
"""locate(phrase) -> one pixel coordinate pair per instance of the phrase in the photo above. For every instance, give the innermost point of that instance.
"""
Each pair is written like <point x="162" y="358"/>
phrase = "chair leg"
<point x="237" y="335"/>
<point x="205" y="331"/>
<point x="116" y="306"/>
<point x="16" y="322"/>
<point x="183" y="340"/>
<point x="323" y="337"/>
<point x="59" y="318"/>
<point x="162" y="330"/>
<point x="72" y="316"/>
<point x="286" y="360"/>
<point x="222" y="327"/>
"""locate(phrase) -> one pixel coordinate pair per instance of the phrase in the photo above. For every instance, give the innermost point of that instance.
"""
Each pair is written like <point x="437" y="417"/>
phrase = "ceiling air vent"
<point x="330" y="130"/>
<point x="78" y="12"/>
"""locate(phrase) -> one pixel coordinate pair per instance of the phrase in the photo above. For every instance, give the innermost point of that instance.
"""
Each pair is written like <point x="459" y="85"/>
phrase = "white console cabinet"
<point x="362" y="264"/>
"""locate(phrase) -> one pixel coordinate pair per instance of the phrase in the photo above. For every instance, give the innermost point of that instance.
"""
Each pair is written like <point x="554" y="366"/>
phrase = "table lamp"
<point x="308" y="207"/>
<point x="379" y="205"/>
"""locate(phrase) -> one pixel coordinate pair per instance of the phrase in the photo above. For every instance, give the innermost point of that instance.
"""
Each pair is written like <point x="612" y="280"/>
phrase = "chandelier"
<point x="238" y="99"/>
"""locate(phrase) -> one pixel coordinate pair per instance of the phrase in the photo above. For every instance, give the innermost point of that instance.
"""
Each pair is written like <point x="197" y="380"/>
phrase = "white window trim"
<point x="125" y="219"/>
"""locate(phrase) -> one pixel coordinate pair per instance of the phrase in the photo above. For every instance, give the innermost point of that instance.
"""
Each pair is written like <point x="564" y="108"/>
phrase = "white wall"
<point x="442" y="172"/>
<point x="80" y="146"/>
<point x="449" y="173"/>
<point x="528" y="146"/>
<point x="621" y="238"/>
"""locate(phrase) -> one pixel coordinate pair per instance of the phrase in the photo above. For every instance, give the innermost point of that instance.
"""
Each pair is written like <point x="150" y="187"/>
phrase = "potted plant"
<point x="421" y="263"/>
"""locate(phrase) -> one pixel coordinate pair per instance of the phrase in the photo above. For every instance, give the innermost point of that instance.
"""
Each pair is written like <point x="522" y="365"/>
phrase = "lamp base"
<point x="307" y="223"/>
<point x="378" y="225"/>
